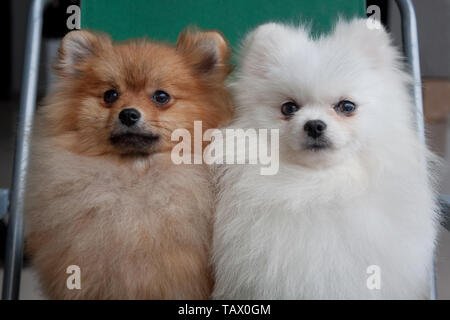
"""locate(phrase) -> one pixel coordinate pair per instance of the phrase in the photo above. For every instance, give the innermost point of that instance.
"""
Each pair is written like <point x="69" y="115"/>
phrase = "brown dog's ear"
<point x="76" y="48"/>
<point x="207" y="51"/>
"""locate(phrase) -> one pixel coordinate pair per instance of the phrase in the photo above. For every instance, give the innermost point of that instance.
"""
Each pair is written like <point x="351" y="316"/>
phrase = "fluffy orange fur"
<point x="138" y="226"/>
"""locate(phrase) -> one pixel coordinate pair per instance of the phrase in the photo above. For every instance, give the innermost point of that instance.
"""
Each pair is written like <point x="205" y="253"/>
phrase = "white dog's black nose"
<point x="315" y="128"/>
<point x="129" y="116"/>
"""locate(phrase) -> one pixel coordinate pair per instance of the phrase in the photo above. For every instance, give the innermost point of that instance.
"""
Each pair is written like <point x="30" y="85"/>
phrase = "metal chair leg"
<point x="411" y="50"/>
<point x="14" y="242"/>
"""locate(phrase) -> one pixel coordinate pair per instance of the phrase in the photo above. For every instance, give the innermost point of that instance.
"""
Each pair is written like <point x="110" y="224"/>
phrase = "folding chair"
<point x="163" y="20"/>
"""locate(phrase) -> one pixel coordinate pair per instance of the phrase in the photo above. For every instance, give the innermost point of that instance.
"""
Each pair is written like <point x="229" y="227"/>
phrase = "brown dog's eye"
<point x="110" y="96"/>
<point x="160" y="97"/>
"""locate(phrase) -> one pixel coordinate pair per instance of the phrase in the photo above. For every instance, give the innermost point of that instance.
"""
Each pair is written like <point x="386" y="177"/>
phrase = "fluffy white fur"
<point x="312" y="230"/>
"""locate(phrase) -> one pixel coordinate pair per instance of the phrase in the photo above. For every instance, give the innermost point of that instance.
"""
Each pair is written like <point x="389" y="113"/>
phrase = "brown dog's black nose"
<point x="315" y="128"/>
<point x="129" y="116"/>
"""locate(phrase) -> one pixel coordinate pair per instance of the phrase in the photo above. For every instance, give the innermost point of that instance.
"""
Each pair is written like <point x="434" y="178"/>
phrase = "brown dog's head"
<point x="127" y="98"/>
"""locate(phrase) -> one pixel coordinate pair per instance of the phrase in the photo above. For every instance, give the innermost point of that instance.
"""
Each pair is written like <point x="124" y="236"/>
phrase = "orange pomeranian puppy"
<point x="104" y="199"/>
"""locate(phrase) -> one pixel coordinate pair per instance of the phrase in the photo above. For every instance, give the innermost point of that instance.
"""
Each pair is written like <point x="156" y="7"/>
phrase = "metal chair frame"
<point x="14" y="199"/>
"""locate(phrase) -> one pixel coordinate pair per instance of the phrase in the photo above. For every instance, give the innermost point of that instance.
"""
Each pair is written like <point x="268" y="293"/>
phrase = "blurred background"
<point x="434" y="38"/>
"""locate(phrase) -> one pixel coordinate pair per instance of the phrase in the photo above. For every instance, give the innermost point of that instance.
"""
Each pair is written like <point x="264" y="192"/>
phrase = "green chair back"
<point x="164" y="19"/>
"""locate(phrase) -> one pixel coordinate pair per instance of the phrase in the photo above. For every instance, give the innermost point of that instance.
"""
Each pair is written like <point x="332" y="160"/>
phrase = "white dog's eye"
<point x="346" y="107"/>
<point x="289" y="108"/>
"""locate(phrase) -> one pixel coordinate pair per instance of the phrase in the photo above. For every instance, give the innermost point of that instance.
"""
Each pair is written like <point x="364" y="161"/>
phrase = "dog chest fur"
<point x="291" y="237"/>
<point x="134" y="233"/>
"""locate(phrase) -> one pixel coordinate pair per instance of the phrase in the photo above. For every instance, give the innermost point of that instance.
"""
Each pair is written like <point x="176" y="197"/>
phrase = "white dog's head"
<point x="331" y="97"/>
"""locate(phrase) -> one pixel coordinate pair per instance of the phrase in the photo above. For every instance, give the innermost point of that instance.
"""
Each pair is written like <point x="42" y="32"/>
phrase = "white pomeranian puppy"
<point x="351" y="214"/>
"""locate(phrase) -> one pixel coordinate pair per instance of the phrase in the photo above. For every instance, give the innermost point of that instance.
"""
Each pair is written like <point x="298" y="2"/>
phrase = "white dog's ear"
<point x="368" y="37"/>
<point x="76" y="48"/>
<point x="207" y="51"/>
<point x="262" y="47"/>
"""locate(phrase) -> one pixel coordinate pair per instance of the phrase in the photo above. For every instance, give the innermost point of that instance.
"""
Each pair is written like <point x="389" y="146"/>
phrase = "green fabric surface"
<point x="164" y="19"/>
